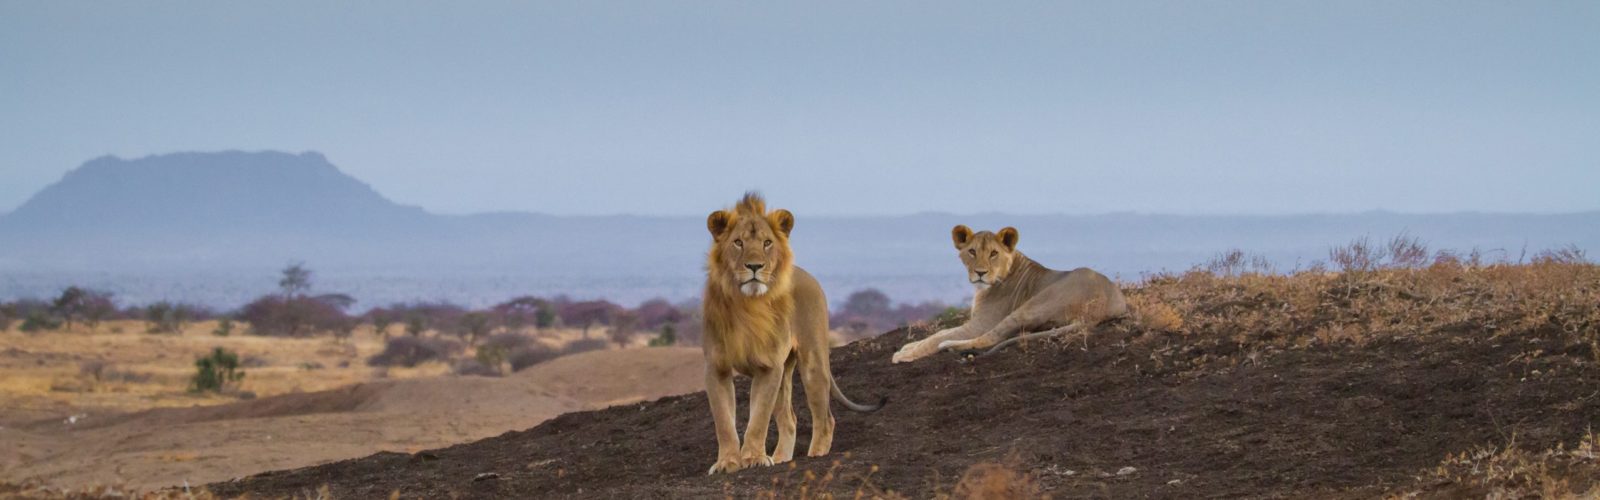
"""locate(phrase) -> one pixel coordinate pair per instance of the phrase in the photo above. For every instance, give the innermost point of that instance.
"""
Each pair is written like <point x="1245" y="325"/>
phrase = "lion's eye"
<point x="993" y="253"/>
<point x="767" y="244"/>
<point x="738" y="243"/>
<point x="972" y="252"/>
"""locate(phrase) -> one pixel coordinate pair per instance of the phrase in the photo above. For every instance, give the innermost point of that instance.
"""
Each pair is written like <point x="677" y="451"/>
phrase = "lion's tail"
<point x="839" y="396"/>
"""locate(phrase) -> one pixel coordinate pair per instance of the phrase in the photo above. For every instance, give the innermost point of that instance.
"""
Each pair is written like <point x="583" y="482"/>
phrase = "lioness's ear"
<point x="718" y="222"/>
<point x="961" y="234"/>
<point x="783" y="220"/>
<point x="1008" y="237"/>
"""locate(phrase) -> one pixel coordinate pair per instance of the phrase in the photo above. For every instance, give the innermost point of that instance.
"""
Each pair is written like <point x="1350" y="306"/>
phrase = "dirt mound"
<point x="1346" y="419"/>
<point x="1217" y="409"/>
<point x="172" y="446"/>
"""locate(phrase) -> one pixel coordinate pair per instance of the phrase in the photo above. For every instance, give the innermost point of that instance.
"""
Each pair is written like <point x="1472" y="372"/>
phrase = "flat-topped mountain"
<point x="208" y="193"/>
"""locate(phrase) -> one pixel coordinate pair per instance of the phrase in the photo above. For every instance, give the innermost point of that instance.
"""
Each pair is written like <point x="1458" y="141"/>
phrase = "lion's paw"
<point x="758" y="459"/>
<point x="954" y="344"/>
<point x="725" y="465"/>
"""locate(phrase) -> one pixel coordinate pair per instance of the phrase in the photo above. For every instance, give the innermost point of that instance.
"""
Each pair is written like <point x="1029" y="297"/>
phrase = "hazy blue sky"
<point x="849" y="107"/>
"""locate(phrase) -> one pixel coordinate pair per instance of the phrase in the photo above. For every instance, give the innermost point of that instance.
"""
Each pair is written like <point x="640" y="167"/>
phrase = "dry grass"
<point x="38" y="492"/>
<point x="1375" y="299"/>
<point x="117" y="367"/>
<point x="1511" y="472"/>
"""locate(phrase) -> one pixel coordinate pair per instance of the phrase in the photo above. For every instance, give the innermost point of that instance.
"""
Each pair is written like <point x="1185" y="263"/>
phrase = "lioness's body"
<point x="1017" y="295"/>
<point x="764" y="318"/>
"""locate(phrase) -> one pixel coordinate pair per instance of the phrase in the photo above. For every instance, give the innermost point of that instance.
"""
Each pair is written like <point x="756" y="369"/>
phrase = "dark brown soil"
<point x="1192" y="420"/>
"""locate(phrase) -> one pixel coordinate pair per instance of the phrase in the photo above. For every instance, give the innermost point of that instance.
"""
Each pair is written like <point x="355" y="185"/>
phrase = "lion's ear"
<point x="1008" y="237"/>
<point x="718" y="222"/>
<point x="783" y="220"/>
<point x="961" y="234"/>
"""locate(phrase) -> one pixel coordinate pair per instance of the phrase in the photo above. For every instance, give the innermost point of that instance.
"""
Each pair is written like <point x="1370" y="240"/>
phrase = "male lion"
<point x="1016" y="294"/>
<point x="764" y="316"/>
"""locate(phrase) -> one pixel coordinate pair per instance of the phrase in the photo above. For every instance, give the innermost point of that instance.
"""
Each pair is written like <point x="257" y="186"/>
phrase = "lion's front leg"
<point x="1007" y="327"/>
<point x="763" y="396"/>
<point x="719" y="391"/>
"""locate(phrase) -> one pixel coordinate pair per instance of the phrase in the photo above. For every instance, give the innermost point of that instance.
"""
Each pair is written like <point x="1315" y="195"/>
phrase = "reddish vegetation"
<point x="1450" y="379"/>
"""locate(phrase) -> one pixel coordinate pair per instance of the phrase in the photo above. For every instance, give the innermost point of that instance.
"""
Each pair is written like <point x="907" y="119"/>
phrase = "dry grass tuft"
<point x="812" y="486"/>
<point x="1512" y="472"/>
<point x="996" y="481"/>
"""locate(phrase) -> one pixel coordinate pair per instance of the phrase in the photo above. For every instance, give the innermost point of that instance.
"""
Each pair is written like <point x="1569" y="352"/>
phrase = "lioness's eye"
<point x="993" y="253"/>
<point x="972" y="252"/>
<point x="738" y="243"/>
<point x="768" y="244"/>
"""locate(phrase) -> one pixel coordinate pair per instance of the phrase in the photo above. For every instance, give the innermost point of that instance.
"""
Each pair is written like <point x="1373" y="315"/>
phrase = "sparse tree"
<point x="296" y="280"/>
<point x="381" y="319"/>
<point x="623" y="327"/>
<point x="80" y="305"/>
<point x="474" y="326"/>
<point x="416" y="325"/>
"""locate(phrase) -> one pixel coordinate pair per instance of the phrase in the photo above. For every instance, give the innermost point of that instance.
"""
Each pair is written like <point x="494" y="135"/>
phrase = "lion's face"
<point x="987" y="255"/>
<point x="750" y="248"/>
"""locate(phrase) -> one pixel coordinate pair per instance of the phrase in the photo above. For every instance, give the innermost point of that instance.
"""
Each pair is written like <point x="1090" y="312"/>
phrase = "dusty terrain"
<point x="1450" y="381"/>
<point x="317" y="401"/>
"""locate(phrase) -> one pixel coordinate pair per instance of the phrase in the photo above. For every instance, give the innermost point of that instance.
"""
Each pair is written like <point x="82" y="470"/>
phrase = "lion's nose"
<point x="981" y="273"/>
<point x="754" y="267"/>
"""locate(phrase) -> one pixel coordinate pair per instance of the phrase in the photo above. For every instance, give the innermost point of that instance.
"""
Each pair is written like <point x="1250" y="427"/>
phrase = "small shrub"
<point x="991" y="480"/>
<point x="1569" y="254"/>
<point x="492" y="356"/>
<point x="950" y="317"/>
<point x="39" y="321"/>
<point x="668" y="336"/>
<point x="169" y="317"/>
<point x="213" y="373"/>
<point x="224" y="328"/>
<point x="1236" y="262"/>
<point x="521" y="351"/>
<point x="412" y="351"/>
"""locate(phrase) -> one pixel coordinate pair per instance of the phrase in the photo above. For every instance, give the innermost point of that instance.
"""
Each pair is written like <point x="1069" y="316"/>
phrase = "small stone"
<point x="485" y="477"/>
<point x="1126" y="470"/>
<point x="1174" y="482"/>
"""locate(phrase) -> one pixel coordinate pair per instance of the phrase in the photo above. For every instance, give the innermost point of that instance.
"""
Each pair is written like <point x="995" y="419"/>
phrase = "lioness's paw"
<point x="954" y="344"/>
<point x="907" y="353"/>
<point x="725" y="465"/>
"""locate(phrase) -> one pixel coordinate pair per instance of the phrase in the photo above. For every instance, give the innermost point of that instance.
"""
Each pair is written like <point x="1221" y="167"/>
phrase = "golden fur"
<point x="1016" y="295"/>
<point x="765" y="318"/>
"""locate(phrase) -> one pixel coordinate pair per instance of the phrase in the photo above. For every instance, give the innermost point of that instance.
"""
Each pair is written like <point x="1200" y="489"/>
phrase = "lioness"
<point x="764" y="316"/>
<point x="1016" y="294"/>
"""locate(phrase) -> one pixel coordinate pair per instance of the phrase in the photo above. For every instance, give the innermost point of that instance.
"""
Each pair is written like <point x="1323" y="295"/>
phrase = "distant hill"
<point x="214" y="227"/>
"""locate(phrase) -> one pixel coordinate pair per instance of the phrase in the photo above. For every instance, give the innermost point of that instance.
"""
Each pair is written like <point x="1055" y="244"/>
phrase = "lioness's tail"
<point x="839" y="396"/>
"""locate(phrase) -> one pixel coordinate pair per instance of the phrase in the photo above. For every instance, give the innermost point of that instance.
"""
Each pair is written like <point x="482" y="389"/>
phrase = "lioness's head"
<point x="750" y="247"/>
<point x="987" y="255"/>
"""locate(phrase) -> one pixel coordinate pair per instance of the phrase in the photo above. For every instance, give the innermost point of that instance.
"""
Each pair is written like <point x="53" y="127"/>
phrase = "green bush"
<point x="38" y="321"/>
<point x="224" y="328"/>
<point x="668" y="337"/>
<point x="215" y="372"/>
